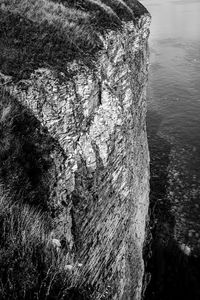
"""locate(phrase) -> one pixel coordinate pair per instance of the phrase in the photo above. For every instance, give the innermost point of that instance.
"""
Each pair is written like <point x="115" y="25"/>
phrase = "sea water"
<point x="174" y="101"/>
<point x="174" y="81"/>
<point x="173" y="126"/>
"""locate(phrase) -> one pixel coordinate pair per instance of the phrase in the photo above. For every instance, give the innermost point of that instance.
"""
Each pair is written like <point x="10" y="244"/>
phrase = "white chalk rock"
<point x="68" y="267"/>
<point x="186" y="249"/>
<point x="56" y="243"/>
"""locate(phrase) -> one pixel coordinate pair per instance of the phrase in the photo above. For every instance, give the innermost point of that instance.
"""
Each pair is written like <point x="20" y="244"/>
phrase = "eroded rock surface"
<point x="99" y="182"/>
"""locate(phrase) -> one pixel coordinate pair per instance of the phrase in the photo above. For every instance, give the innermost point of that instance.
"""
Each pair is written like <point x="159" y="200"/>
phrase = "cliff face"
<point x="98" y="161"/>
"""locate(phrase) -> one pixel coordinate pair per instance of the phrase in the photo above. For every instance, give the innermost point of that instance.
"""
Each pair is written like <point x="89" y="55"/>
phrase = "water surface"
<point x="174" y="101"/>
<point x="173" y="123"/>
<point x="174" y="87"/>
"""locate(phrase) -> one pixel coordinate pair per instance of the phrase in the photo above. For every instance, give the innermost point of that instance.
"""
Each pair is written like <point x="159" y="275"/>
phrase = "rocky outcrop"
<point x="98" y="182"/>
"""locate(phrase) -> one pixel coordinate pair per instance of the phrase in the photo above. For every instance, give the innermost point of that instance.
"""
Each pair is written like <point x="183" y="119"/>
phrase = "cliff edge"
<point x="74" y="73"/>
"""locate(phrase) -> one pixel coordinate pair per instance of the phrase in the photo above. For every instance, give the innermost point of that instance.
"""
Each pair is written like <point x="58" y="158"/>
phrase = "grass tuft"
<point x="32" y="268"/>
<point x="29" y="266"/>
<point x="52" y="33"/>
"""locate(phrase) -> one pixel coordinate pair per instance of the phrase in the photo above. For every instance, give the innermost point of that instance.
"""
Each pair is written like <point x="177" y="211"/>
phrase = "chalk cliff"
<point x="92" y="107"/>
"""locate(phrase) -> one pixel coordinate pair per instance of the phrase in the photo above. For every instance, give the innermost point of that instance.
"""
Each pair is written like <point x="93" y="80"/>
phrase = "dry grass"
<point x="28" y="265"/>
<point x="31" y="267"/>
<point x="24" y="221"/>
<point x="51" y="33"/>
<point x="67" y="20"/>
<point x="67" y="16"/>
<point x="74" y="24"/>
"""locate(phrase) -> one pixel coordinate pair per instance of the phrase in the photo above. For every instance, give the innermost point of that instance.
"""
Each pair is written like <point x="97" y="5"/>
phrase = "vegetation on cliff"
<point x="38" y="155"/>
<point x="46" y="33"/>
<point x="31" y="266"/>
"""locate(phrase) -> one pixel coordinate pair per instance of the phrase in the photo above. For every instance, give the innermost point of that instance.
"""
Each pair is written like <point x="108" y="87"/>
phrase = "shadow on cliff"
<point x="31" y="267"/>
<point x="174" y="274"/>
<point x="25" y="147"/>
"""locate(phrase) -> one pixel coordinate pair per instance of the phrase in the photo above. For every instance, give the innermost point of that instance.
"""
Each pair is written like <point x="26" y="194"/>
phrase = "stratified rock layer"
<point x="100" y="165"/>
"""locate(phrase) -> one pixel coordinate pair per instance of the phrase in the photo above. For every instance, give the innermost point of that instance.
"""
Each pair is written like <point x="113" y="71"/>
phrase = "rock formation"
<point x="92" y="106"/>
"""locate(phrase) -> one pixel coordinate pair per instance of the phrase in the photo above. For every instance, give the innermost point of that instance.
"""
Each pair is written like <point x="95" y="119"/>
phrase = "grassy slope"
<point x="31" y="267"/>
<point x="44" y="33"/>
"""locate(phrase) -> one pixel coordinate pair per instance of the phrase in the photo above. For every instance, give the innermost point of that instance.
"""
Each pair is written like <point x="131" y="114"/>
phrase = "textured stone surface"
<point x="100" y="183"/>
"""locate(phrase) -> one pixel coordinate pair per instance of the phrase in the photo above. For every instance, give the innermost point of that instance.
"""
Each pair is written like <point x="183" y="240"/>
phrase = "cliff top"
<point x="50" y="33"/>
